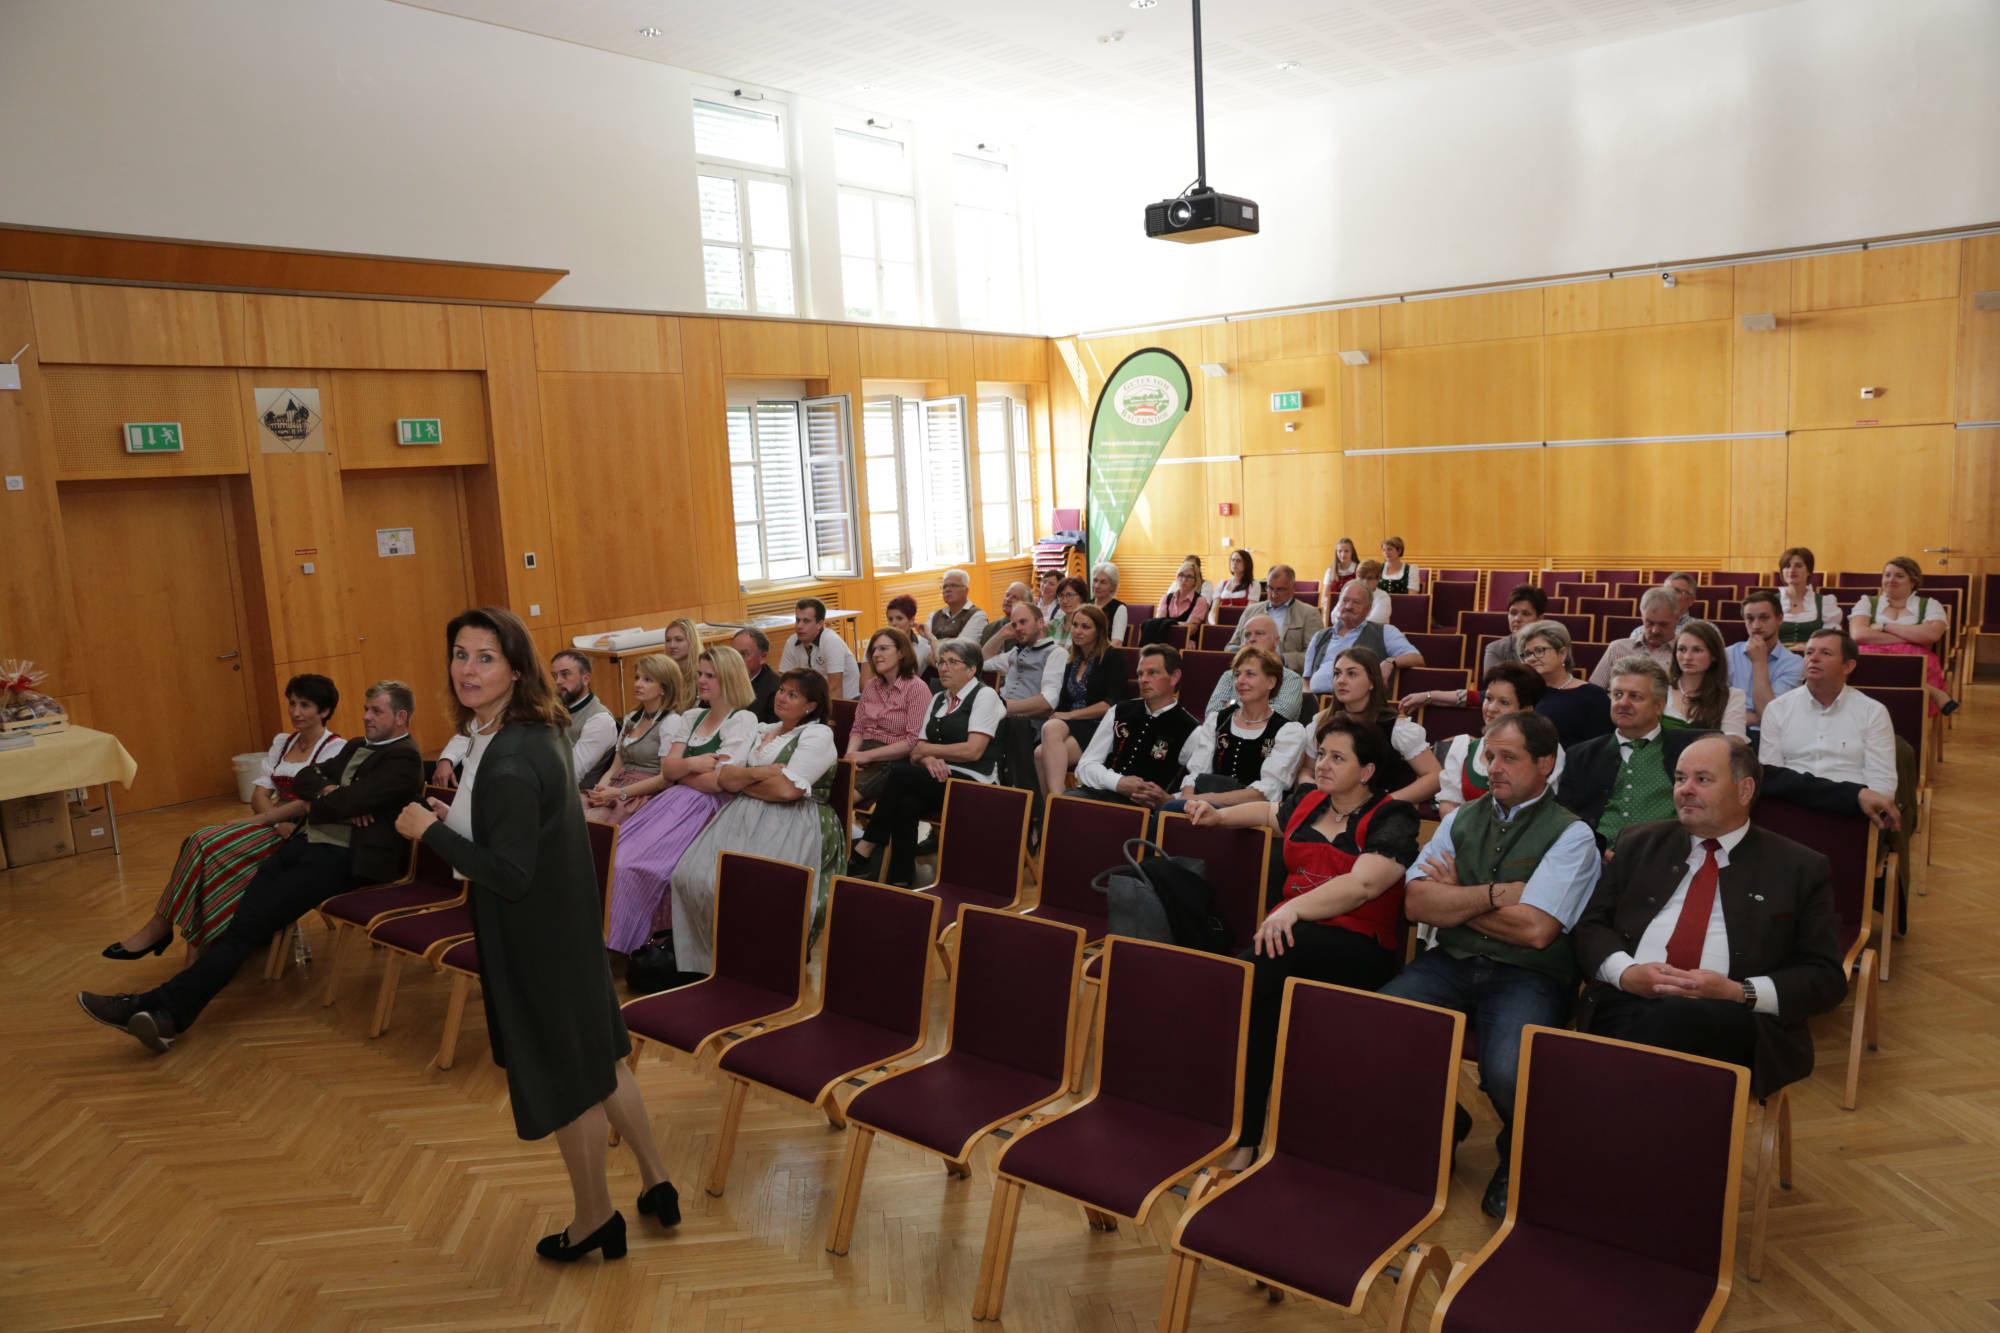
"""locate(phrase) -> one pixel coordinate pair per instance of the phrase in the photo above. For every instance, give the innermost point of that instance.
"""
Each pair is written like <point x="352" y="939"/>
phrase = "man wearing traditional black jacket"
<point x="1137" y="754"/>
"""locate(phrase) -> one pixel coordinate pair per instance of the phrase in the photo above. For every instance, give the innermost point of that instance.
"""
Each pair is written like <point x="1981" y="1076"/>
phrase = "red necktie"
<point x="1691" y="931"/>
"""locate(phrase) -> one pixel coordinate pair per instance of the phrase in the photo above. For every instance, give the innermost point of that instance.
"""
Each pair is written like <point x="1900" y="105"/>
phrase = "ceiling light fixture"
<point x="1288" y="65"/>
<point x="867" y="87"/>
<point x="1144" y="4"/>
<point x="1111" y="38"/>
<point x="649" y="32"/>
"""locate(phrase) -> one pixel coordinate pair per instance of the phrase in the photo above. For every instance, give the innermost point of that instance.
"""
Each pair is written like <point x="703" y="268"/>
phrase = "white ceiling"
<point x="1043" y="61"/>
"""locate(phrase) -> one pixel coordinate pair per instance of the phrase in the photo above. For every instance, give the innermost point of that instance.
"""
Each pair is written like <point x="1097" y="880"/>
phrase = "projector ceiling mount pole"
<point x="1198" y="213"/>
<point x="1200" y="136"/>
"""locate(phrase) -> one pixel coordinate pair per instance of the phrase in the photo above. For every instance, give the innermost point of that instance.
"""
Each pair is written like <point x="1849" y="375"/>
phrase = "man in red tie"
<point x="1712" y="936"/>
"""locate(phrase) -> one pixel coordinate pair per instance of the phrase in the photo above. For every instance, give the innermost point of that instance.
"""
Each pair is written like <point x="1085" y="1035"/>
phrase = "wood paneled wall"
<point x="594" y="441"/>
<point x="1638" y="370"/>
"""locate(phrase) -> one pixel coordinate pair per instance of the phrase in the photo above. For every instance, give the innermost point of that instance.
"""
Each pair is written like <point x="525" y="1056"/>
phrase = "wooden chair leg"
<point x="1085" y="1012"/>
<point x="274" y="957"/>
<point x="1178" y="1302"/>
<point x="1099" y="1220"/>
<point x="1427" y="1259"/>
<point x="454" y="1018"/>
<point x="1864" y="1019"/>
<point x="336" y="943"/>
<point x="1784" y="1140"/>
<point x="848" y="1203"/>
<point x="1767" y="1165"/>
<point x="385" y="998"/>
<point x="725" y="1140"/>
<point x="1874" y="1003"/>
<point x="999" y="1256"/>
<point x="958" y="1170"/>
<point x="1889" y="880"/>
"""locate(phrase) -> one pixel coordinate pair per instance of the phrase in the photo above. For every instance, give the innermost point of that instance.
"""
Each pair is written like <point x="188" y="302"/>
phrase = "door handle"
<point x="224" y="657"/>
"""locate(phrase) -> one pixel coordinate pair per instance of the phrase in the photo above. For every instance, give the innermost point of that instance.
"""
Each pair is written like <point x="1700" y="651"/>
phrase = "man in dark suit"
<point x="348" y="839"/>
<point x="1709" y="935"/>
<point x="1624" y="777"/>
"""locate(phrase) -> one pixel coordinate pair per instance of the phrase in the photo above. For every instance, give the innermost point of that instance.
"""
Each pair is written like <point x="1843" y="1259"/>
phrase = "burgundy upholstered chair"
<point x="1228" y="616"/>
<point x="1615" y="576"/>
<point x="1456" y="576"/>
<point x="1237" y="861"/>
<point x="980" y="852"/>
<point x="461" y="960"/>
<point x="1585" y="656"/>
<point x="1443" y="721"/>
<point x="1004" y="1055"/>
<point x="1415" y="680"/>
<point x="1575" y="589"/>
<point x="1633" y="590"/>
<point x="1904" y="671"/>
<point x="1448" y="599"/>
<point x="424" y="935"/>
<point x="1356" y="1159"/>
<point x="843" y="722"/>
<point x="1088" y="836"/>
<point x="1168" y="1100"/>
<point x="1620" y="627"/>
<point x="1500" y="582"/>
<point x="1178" y="637"/>
<point x="1475" y="624"/>
<point x="1607" y="606"/>
<point x="873" y="1009"/>
<point x="1199" y="672"/>
<point x="1571" y="1227"/>
<point x="1441" y="650"/>
<point x="428" y="884"/>
<point x="1410" y="612"/>
<point x="1215" y="638"/>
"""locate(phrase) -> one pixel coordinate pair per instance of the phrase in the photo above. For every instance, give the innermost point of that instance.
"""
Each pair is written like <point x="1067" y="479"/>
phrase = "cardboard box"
<point x="36" y="828"/>
<point x="90" y="822"/>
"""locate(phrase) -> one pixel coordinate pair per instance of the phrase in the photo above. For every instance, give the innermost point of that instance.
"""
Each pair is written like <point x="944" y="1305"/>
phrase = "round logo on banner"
<point x="1145" y="400"/>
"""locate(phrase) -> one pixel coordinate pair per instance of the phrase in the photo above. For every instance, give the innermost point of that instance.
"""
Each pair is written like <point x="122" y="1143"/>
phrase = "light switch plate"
<point x="528" y="559"/>
<point x="10" y="375"/>
<point x="534" y="608"/>
<point x="306" y="568"/>
<point x="15" y="483"/>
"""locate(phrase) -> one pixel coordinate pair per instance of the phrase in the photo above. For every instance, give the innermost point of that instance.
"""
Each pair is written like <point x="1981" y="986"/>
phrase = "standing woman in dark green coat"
<point x="515" y="831"/>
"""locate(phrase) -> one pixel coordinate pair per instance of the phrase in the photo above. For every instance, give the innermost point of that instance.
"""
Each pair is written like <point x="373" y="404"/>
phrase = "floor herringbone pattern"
<point x="279" y="1170"/>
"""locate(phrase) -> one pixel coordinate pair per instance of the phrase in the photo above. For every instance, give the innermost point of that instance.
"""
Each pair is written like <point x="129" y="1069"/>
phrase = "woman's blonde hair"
<point x="676" y="689"/>
<point x="732" y="679"/>
<point x="693" y="632"/>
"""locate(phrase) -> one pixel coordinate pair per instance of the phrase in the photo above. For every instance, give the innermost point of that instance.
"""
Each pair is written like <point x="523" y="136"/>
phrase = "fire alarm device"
<point x="1871" y="393"/>
<point x="1225" y="508"/>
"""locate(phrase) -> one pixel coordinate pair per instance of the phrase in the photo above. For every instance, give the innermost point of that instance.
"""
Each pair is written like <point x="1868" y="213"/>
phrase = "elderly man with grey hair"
<point x="1686" y="591"/>
<point x="1016" y="592"/>
<point x="958" y="618"/>
<point x="1296" y="622"/>
<point x="1260" y="631"/>
<point x="1659" y="620"/>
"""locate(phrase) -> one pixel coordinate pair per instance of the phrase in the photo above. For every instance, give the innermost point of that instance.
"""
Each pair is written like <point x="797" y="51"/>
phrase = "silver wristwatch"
<point x="1749" y="994"/>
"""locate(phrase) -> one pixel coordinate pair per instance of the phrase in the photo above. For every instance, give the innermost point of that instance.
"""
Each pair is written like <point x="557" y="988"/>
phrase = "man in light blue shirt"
<point x="1760" y="666"/>
<point x="1259" y="631"/>
<point x="1351" y="628"/>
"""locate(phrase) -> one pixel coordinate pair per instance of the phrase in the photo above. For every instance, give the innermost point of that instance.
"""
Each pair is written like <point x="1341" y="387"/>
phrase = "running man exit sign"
<point x="152" y="437"/>
<point x="419" y="430"/>
<point x="1288" y="401"/>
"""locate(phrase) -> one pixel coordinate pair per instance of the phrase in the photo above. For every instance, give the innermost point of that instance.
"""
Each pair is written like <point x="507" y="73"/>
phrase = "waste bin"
<point x="248" y="766"/>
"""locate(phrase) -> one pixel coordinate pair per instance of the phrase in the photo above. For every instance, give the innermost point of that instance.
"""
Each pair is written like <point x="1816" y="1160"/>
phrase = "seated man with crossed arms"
<point x="1709" y="935"/>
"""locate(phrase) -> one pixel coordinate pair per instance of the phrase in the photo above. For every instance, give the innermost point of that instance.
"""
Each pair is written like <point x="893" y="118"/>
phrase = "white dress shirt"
<point x="1849" y="740"/>
<point x="1378" y="610"/>
<point x="1652" y="946"/>
<point x="827" y="654"/>
<point x="1274" y="778"/>
<point x="1092" y="771"/>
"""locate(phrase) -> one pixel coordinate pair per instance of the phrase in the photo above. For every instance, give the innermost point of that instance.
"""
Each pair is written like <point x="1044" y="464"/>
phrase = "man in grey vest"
<point x="1030" y="664"/>
<point x="1504" y="879"/>
<point x="1351" y="628"/>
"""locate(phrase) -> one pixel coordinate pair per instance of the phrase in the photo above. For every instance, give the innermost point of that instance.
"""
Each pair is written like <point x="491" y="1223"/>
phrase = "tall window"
<point x="878" y="227"/>
<point x="919" y="509"/>
<point x="1006" y="500"/>
<point x="989" y="242"/>
<point x="791" y="483"/>
<point x="746" y="207"/>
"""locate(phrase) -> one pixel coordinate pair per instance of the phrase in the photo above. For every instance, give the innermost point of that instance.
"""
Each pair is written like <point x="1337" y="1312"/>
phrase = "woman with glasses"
<point x="1579" y="709"/>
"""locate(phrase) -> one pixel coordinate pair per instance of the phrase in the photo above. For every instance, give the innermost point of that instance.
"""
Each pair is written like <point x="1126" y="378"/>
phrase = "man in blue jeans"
<point x="1503" y="879"/>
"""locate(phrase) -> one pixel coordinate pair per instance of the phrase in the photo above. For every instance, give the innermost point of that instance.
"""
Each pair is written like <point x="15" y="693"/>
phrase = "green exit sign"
<point x="152" y="437"/>
<point x="419" y="430"/>
<point x="1288" y="401"/>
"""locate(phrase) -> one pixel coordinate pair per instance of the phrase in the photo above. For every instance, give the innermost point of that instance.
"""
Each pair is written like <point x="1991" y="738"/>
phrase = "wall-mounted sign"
<point x="288" y="421"/>
<point x="152" y="437"/>
<point x="1291" y="400"/>
<point x="419" y="430"/>
<point x="395" y="541"/>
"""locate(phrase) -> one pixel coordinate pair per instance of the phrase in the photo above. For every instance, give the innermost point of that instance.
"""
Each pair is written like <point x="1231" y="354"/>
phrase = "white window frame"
<point x="1016" y="446"/>
<point x="916" y="453"/>
<point x="876" y="194"/>
<point x="742" y="172"/>
<point x="802" y="462"/>
<point x="1013" y="214"/>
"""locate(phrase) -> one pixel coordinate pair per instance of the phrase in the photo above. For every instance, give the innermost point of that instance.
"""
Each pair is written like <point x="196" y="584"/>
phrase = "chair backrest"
<point x="840" y="799"/>
<point x="1472" y="624"/>
<point x="843" y="723"/>
<point x="1634" y="590"/>
<point x="1177" y="635"/>
<point x="1848" y="842"/>
<point x="1228" y="615"/>
<point x="1909" y="710"/>
<point x="1714" y="593"/>
<point x="1215" y="638"/>
<point x="1237" y="862"/>
<point x="1448" y="599"/>
<point x="1586" y="656"/>
<point x="1365" y="1084"/>
<point x="1607" y="606"/>
<point x="1131" y="655"/>
<point x="1442" y="721"/>
<point x="603" y="851"/>
<point x="1066" y="520"/>
<point x="1501" y="582"/>
<point x="1678" y="1145"/>
<point x="1990" y="617"/>
<point x="1620" y="627"/>
<point x="1579" y="626"/>
<point x="762" y="909"/>
<point x="1659" y="577"/>
<point x="1411" y="680"/>
<point x="1091" y="836"/>
<point x="1410" y="612"/>
<point x="984" y="835"/>
<point x="1439" y="650"/>
<point x="1458" y="576"/>
<point x="1199" y="672"/>
<point x="1740" y="580"/>
<point x="1013" y="996"/>
<point x="878" y="955"/>
<point x="1547" y="579"/>
<point x="1577" y="589"/>
<point x="1732" y="628"/>
<point x="1615" y="575"/>
<point x="1170" y="1030"/>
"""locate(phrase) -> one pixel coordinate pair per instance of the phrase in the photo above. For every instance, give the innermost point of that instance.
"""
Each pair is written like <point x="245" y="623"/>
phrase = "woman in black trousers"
<point x="516" y="832"/>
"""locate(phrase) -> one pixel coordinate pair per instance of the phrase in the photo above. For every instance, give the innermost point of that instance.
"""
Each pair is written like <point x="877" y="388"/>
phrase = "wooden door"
<point x="403" y="601"/>
<point x="162" y="631"/>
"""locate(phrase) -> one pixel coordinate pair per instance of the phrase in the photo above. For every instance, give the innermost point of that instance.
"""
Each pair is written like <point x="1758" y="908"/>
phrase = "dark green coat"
<point x="551" y="1011"/>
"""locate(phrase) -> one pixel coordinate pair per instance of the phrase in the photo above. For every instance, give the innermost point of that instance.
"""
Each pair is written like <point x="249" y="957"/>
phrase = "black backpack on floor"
<point x="1166" y="899"/>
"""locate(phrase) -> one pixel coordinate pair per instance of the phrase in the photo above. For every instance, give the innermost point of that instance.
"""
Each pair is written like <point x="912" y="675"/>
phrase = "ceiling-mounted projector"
<point x="1199" y="213"/>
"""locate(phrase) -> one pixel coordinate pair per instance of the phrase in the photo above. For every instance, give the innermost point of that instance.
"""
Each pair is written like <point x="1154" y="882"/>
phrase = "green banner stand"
<point x="1141" y="404"/>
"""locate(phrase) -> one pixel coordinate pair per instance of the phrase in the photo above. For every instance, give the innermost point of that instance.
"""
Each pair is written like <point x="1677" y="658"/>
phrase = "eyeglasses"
<point x="1536" y="654"/>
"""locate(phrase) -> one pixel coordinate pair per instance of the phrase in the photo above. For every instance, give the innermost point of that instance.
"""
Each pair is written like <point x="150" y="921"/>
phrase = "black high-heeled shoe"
<point x="663" y="1202"/>
<point x="609" y="1238"/>
<point x="116" y="949"/>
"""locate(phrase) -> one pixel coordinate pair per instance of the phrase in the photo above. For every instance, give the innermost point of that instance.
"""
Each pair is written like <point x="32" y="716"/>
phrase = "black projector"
<point x="1201" y="215"/>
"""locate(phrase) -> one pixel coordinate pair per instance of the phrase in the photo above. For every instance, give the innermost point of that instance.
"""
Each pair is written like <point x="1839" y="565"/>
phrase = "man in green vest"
<point x="1503" y="879"/>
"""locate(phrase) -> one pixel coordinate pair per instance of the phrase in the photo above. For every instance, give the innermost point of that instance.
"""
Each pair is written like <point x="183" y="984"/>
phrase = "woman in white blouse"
<point x="1699" y="691"/>
<point x="1412" y="774"/>
<point x="1398" y="577"/>
<point x="1804" y="609"/>
<point x="1246" y="751"/>
<point x="1901" y="620"/>
<point x="782" y="787"/>
<point x="1507" y="687"/>
<point x="1048" y="586"/>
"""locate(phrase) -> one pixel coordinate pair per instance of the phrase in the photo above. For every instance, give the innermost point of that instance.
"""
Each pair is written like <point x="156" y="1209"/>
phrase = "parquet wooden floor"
<point x="279" y="1170"/>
